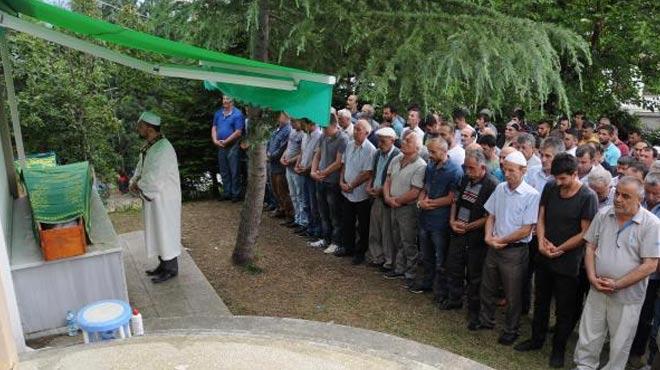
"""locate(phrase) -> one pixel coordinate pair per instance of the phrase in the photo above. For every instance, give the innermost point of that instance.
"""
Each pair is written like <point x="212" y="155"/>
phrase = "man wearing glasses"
<point x="623" y="246"/>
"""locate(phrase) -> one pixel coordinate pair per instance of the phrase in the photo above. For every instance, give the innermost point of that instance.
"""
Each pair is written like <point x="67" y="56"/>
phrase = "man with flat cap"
<point x="156" y="181"/>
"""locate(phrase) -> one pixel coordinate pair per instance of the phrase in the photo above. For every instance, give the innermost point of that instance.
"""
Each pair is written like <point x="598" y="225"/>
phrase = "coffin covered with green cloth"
<point x="39" y="160"/>
<point x="59" y="194"/>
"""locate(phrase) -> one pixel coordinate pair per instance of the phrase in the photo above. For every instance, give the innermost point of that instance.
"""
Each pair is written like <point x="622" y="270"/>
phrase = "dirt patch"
<point x="301" y="282"/>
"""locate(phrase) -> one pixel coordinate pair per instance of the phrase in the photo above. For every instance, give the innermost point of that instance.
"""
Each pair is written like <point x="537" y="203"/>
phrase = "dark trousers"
<point x="433" y="249"/>
<point x="328" y="196"/>
<point x="281" y="191"/>
<point x="564" y="289"/>
<point x="506" y="267"/>
<point x="582" y="291"/>
<point x="464" y="257"/>
<point x="645" y="320"/>
<point x="312" y="205"/>
<point x="531" y="267"/>
<point x="228" y="164"/>
<point x="353" y="212"/>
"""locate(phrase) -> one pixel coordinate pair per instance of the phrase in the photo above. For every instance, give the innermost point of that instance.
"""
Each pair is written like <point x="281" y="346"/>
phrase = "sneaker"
<point x="332" y="248"/>
<point x="317" y="244"/>
<point x="418" y="289"/>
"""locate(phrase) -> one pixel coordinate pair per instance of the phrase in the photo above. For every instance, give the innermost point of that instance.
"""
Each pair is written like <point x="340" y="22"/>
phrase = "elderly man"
<point x="647" y="328"/>
<point x="156" y="181"/>
<point x="352" y="106"/>
<point x="565" y="212"/>
<point x="326" y="168"/>
<point x="303" y="167"/>
<point x="381" y="250"/>
<point x="295" y="181"/>
<point x="468" y="136"/>
<point x="647" y="156"/>
<point x="355" y="174"/>
<point x="405" y="180"/>
<point x="512" y="213"/>
<point x="587" y="162"/>
<point x="368" y="113"/>
<point x="606" y="139"/>
<point x="346" y="122"/>
<point x="499" y="174"/>
<point x="601" y="183"/>
<point x="441" y="181"/>
<point x="467" y="249"/>
<point x="414" y="119"/>
<point x="652" y="198"/>
<point x="228" y="126"/>
<point x="623" y="246"/>
<point x="527" y="145"/>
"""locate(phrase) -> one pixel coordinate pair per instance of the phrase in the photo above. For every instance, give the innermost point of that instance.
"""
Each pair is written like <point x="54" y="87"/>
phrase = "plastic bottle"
<point x="137" y="328"/>
<point x="71" y="325"/>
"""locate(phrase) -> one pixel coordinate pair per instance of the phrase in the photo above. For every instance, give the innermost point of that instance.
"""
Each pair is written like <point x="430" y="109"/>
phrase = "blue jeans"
<point x="433" y="247"/>
<point x="228" y="163"/>
<point x="328" y="196"/>
<point x="312" y="207"/>
<point x="296" y="185"/>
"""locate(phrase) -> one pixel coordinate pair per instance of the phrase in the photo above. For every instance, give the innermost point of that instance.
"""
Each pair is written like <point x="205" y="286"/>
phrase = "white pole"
<point x="11" y="94"/>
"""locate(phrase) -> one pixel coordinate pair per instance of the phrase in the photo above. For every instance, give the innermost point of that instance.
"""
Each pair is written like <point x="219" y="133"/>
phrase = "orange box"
<point x="63" y="242"/>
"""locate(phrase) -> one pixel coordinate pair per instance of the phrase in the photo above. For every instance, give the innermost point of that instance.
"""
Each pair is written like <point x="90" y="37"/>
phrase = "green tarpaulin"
<point x="309" y="95"/>
<point x="39" y="160"/>
<point x="59" y="194"/>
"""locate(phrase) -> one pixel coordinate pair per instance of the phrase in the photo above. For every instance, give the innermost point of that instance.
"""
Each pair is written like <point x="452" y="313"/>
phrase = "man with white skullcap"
<point x="156" y="181"/>
<point x="512" y="212"/>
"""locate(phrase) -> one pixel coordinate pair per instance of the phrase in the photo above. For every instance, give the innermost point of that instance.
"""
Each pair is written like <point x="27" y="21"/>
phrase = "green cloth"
<point x="60" y="194"/>
<point x="40" y="160"/>
<point x="310" y="99"/>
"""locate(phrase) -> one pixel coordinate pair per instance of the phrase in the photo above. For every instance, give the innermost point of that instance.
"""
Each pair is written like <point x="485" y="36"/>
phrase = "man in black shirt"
<point x="467" y="248"/>
<point x="565" y="213"/>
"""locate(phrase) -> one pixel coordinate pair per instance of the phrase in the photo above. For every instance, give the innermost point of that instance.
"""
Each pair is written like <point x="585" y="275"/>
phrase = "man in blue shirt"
<point x="228" y="125"/>
<point x="442" y="179"/>
<point x="610" y="151"/>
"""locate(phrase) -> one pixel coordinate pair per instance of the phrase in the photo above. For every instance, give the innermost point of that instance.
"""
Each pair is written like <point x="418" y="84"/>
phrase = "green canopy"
<point x="59" y="194"/>
<point x="299" y="93"/>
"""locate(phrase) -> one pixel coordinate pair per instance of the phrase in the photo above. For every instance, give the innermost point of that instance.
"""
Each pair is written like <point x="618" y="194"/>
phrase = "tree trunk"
<point x="250" y="221"/>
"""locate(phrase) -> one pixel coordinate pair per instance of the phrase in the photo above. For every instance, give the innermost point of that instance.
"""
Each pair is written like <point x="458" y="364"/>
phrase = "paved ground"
<point x="185" y="298"/>
<point x="242" y="342"/>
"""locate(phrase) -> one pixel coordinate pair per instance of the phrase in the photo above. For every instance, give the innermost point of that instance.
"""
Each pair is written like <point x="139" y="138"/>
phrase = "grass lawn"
<point x="301" y="282"/>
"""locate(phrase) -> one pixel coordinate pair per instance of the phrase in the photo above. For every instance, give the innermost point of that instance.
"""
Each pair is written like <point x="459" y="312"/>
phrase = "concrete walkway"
<point x="186" y="299"/>
<point x="242" y="342"/>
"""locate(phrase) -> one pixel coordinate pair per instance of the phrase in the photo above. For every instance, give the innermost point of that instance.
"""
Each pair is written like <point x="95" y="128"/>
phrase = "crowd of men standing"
<point x="562" y="211"/>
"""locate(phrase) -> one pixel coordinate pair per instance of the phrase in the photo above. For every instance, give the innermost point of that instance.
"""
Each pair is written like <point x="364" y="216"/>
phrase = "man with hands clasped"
<point x="623" y="246"/>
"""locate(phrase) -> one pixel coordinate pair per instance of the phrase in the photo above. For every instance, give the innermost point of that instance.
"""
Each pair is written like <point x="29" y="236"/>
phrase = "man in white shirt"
<point x="414" y="118"/>
<point x="456" y="153"/>
<point x="570" y="140"/>
<point x="345" y="122"/>
<point x="459" y="117"/>
<point x="527" y="145"/>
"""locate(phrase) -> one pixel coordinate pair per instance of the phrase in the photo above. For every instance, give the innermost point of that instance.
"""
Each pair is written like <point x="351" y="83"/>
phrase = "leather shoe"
<point x="528" y="345"/>
<point x="448" y="305"/>
<point x="357" y="260"/>
<point x="300" y="230"/>
<point x="341" y="252"/>
<point x="163" y="277"/>
<point x="507" y="339"/>
<point x="157" y="271"/>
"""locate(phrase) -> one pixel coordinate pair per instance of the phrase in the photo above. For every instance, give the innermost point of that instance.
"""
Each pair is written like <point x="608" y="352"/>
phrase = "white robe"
<point x="157" y="175"/>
